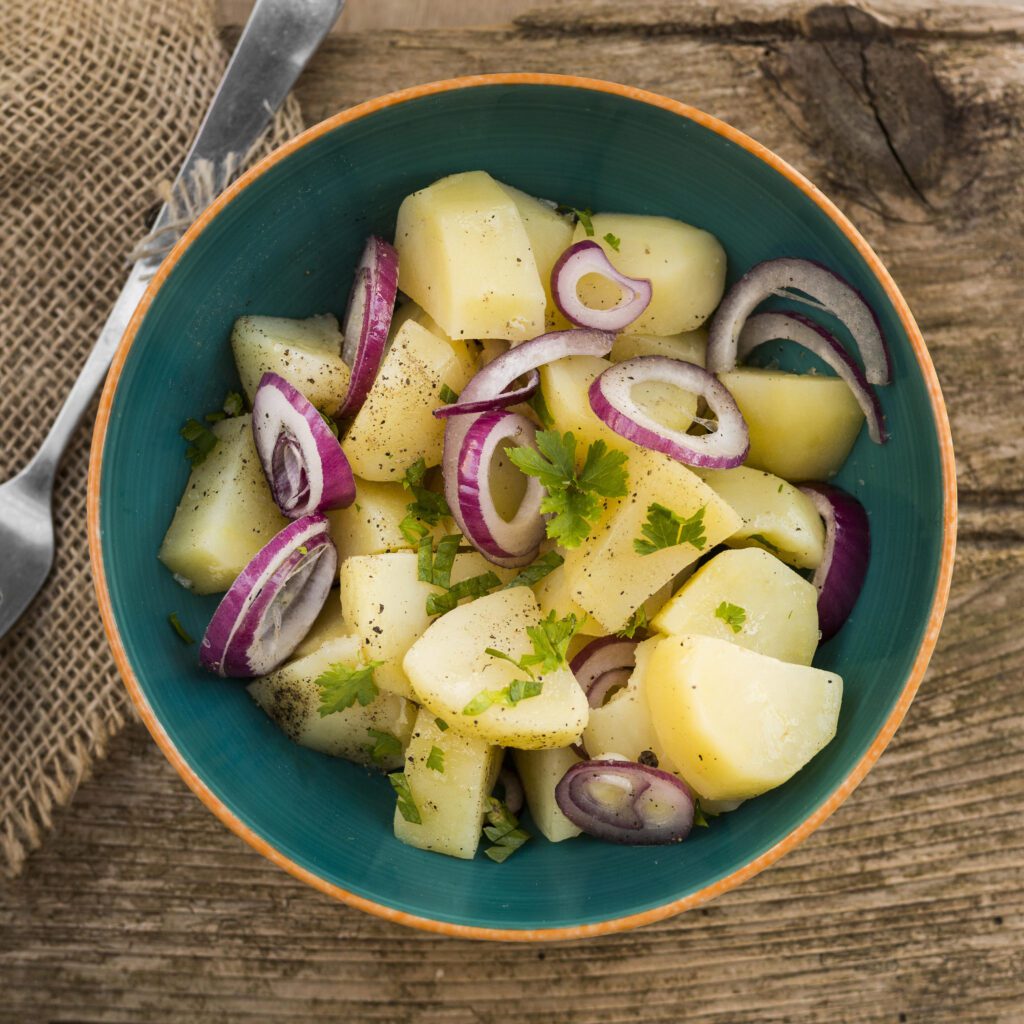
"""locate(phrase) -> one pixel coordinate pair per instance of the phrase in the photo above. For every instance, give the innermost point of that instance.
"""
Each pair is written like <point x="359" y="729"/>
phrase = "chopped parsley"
<point x="385" y="746"/>
<point x="448" y="396"/>
<point x="202" y="440"/>
<point x="441" y="724"/>
<point x="637" y="621"/>
<point x="436" y="566"/>
<point x="572" y="497"/>
<point x="699" y="817"/>
<point x="503" y="830"/>
<point x="329" y="420"/>
<point x="475" y="586"/>
<point x="435" y="760"/>
<point x="536" y="571"/>
<point x="761" y="539"/>
<point x="178" y="628"/>
<point x="406" y="805"/>
<point x="233" y="405"/>
<point x="342" y="685"/>
<point x="732" y="615"/>
<point x="540" y="407"/>
<point x="665" y="529"/>
<point x="613" y="241"/>
<point x="428" y="507"/>
<point x="583" y="217"/>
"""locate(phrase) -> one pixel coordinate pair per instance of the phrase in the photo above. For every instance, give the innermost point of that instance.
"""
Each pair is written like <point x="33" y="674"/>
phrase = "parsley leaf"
<point x="522" y="689"/>
<point x="436" y="567"/>
<point x="448" y="396"/>
<point x="764" y="542"/>
<point x="203" y="441"/>
<point x="665" y="529"/>
<point x="385" y="746"/>
<point x="435" y="760"/>
<point x="571" y="500"/>
<point x="475" y="586"/>
<point x="341" y="686"/>
<point x="441" y="724"/>
<point x="427" y="509"/>
<point x="540" y="407"/>
<point x="732" y="615"/>
<point x="233" y="405"/>
<point x="536" y="571"/>
<point x="612" y="241"/>
<point x="637" y="621"/>
<point x="698" y="815"/>
<point x="178" y="628"/>
<point x="503" y="830"/>
<point x="406" y="804"/>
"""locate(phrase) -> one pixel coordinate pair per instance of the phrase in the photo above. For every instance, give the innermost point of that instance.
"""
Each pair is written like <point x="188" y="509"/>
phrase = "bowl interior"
<point x="286" y="245"/>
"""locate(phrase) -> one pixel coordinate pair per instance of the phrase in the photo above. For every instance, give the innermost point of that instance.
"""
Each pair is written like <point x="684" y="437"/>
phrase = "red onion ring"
<point x="505" y="542"/>
<point x="588" y="257"/>
<point x="272" y="604"/>
<point x="303" y="461"/>
<point x="835" y="294"/>
<point x="795" y="327"/>
<point x="492" y="380"/>
<point x="653" y="807"/>
<point x="611" y="400"/>
<point x="502" y="401"/>
<point x="371" y="304"/>
<point x="840" y="576"/>
<point x="598" y="666"/>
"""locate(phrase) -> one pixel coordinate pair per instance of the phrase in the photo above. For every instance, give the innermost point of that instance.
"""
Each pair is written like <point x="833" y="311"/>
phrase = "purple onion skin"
<point x="499" y="402"/>
<point x="840" y="577"/>
<point x="626" y="825"/>
<point x="587" y="257"/>
<point x="596" y="660"/>
<point x="512" y="789"/>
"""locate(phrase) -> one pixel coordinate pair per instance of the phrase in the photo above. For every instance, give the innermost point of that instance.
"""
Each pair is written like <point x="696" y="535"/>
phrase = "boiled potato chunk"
<point x="385" y="605"/>
<point x="396" y="425"/>
<point x="550" y="234"/>
<point x="450" y="789"/>
<point x="623" y="725"/>
<point x="371" y="524"/>
<point x="329" y="625"/>
<point x="566" y="388"/>
<point x="307" y="353"/>
<point x="750" y="598"/>
<point x="685" y="265"/>
<point x="554" y="594"/>
<point x="689" y="347"/>
<point x="738" y="723"/>
<point x="225" y="515"/>
<point x="607" y="577"/>
<point x="540" y="772"/>
<point x="464" y="350"/>
<point x="776" y="515"/>
<point x="465" y="257"/>
<point x="291" y="697"/>
<point x="449" y="667"/>
<point x="802" y="426"/>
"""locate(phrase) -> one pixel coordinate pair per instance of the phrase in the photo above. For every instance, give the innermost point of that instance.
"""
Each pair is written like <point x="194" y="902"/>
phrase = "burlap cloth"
<point x="99" y="100"/>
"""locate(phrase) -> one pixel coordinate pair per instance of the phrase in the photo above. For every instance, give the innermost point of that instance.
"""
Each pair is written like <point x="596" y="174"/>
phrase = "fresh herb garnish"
<point x="540" y="407"/>
<point x="332" y="426"/>
<point x="202" y="441"/>
<point x="426" y="510"/>
<point x="233" y="405"/>
<point x="475" y="586"/>
<point x="764" y="542"/>
<point x="385" y="746"/>
<point x="406" y="805"/>
<point x="612" y="241"/>
<point x="699" y="817"/>
<point x="637" y="621"/>
<point x="665" y="529"/>
<point x="503" y="830"/>
<point x="342" y="685"/>
<point x="572" y="496"/>
<point x="435" y="760"/>
<point x="436" y="566"/>
<point x="178" y="628"/>
<point x="536" y="571"/>
<point x="732" y="615"/>
<point x="584" y="217"/>
<point x="441" y="724"/>
<point x="448" y="396"/>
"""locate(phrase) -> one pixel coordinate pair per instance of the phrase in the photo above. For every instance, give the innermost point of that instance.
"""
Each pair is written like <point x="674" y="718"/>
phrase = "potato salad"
<point x="527" y="533"/>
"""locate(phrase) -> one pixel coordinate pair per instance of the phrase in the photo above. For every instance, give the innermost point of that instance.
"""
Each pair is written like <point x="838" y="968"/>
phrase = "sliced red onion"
<point x="303" y="461"/>
<point x="588" y="257"/>
<point x="840" y="576"/>
<point x="795" y="327"/>
<point x="271" y="606"/>
<point x="626" y="802"/>
<point x="502" y="401"/>
<point x="602" y="665"/>
<point x="371" y="304"/>
<point x="490" y="382"/>
<point x="505" y="542"/>
<point x="834" y="294"/>
<point x="611" y="398"/>
<point x="512" y="789"/>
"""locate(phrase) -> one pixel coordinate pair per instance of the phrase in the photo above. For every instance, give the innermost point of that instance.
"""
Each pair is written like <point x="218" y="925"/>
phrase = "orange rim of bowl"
<point x="884" y="735"/>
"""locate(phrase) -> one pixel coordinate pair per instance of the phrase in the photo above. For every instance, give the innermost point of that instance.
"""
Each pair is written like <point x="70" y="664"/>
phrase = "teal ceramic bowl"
<point x="283" y="241"/>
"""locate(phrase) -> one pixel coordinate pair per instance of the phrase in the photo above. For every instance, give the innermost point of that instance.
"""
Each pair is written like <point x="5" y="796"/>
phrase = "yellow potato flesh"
<point x="540" y="772"/>
<point x="738" y="723"/>
<point x="689" y="347"/>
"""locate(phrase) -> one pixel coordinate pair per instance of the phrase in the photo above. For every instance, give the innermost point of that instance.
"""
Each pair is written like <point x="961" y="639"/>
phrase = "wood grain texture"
<point x="908" y="905"/>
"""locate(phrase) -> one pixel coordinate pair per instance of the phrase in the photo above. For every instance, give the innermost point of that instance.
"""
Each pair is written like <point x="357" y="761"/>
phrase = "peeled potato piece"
<point x="738" y="723"/>
<point x="690" y="347"/>
<point x="540" y="772"/>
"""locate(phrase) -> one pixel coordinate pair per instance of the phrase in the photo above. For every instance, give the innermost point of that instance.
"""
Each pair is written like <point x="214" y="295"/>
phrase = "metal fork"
<point x="279" y="38"/>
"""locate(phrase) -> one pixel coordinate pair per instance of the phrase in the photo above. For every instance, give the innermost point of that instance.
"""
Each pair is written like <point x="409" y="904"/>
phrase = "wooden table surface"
<point x="908" y="905"/>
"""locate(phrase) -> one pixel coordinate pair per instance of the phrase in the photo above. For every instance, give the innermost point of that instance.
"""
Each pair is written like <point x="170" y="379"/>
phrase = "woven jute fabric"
<point x="99" y="100"/>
